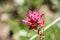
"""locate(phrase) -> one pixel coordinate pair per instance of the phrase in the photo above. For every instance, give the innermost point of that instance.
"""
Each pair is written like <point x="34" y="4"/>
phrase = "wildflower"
<point x="34" y="19"/>
<point x="41" y="33"/>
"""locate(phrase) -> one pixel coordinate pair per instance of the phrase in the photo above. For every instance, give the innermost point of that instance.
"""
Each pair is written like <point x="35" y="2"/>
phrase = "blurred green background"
<point x="12" y="12"/>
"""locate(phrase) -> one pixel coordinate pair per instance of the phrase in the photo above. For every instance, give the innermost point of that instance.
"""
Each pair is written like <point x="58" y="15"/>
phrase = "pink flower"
<point x="41" y="33"/>
<point x="34" y="19"/>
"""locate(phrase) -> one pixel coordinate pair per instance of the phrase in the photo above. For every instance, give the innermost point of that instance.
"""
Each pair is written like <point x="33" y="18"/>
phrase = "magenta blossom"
<point x="34" y="19"/>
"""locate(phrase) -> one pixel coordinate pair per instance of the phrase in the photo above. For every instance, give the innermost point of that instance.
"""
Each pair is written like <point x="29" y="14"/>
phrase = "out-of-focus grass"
<point x="14" y="26"/>
<point x="52" y="33"/>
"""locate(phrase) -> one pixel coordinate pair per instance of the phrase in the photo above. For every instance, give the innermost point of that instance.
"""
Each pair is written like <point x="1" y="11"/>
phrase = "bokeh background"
<point x="12" y="12"/>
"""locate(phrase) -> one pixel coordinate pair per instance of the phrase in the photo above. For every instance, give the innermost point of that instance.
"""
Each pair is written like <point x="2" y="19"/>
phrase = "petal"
<point x="24" y="21"/>
<point x="30" y="13"/>
<point x="41" y="23"/>
<point x="29" y="23"/>
<point x="32" y="18"/>
<point x="31" y="27"/>
<point x="41" y="15"/>
<point x="35" y="13"/>
<point x="27" y="20"/>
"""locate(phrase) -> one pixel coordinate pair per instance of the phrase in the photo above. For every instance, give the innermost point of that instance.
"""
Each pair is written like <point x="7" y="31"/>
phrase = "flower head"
<point x="34" y="19"/>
